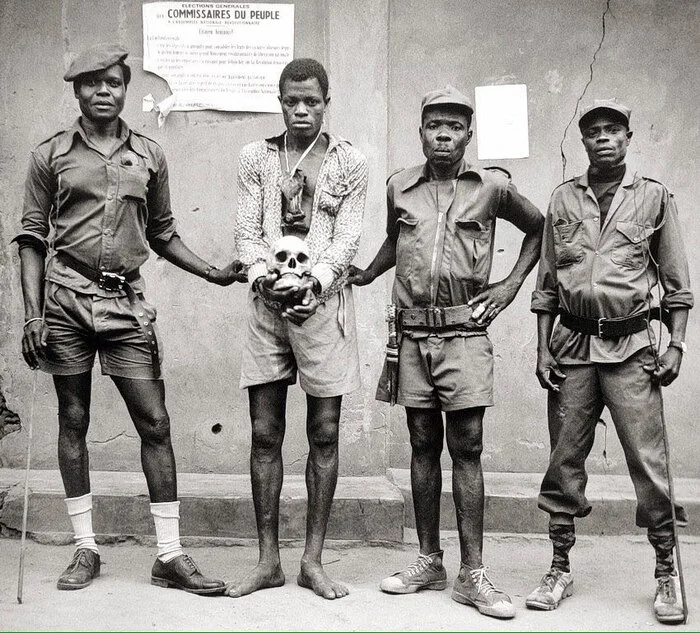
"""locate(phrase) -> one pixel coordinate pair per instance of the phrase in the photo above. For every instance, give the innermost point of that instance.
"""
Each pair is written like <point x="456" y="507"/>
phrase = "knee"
<point x="324" y="437"/>
<point x="468" y="449"/>
<point x="155" y="429"/>
<point x="74" y="418"/>
<point x="426" y="445"/>
<point x="323" y="446"/>
<point x="266" y="439"/>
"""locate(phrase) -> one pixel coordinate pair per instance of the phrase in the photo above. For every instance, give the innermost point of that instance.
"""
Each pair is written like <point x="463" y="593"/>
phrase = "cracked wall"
<point x="567" y="53"/>
<point x="383" y="55"/>
<point x="200" y="324"/>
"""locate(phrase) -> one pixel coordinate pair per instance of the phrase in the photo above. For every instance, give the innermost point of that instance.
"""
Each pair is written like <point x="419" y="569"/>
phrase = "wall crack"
<point x="583" y="92"/>
<point x="111" y="439"/>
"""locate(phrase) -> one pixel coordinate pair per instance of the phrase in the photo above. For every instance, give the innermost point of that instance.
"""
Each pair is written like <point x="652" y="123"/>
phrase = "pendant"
<point x="292" y="186"/>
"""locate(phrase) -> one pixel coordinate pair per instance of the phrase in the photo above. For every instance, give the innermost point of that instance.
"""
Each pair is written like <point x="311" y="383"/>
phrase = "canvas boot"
<point x="426" y="573"/>
<point x="668" y="602"/>
<point x="554" y="587"/>
<point x="473" y="587"/>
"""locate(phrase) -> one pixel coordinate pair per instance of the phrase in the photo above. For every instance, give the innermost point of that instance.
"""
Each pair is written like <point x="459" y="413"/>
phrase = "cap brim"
<point x="450" y="104"/>
<point x="616" y="114"/>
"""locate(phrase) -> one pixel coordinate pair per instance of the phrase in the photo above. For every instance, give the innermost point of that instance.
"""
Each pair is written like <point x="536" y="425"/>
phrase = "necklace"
<point x="303" y="156"/>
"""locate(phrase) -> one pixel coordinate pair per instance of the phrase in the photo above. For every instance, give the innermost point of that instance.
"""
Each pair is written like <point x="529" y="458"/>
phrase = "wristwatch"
<point x="679" y="345"/>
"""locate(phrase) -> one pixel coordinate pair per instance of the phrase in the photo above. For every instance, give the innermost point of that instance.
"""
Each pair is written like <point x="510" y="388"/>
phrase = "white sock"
<point x="80" y="513"/>
<point x="166" y="517"/>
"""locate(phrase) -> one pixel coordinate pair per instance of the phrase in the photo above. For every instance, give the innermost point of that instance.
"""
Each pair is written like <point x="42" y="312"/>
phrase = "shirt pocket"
<point x="471" y="252"/>
<point x="568" y="243"/>
<point x="331" y="197"/>
<point x="133" y="183"/>
<point x="406" y="245"/>
<point x="630" y="244"/>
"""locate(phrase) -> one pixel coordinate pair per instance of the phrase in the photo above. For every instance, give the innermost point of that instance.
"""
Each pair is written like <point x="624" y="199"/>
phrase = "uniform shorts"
<point x="323" y="349"/>
<point x="449" y="373"/>
<point x="81" y="325"/>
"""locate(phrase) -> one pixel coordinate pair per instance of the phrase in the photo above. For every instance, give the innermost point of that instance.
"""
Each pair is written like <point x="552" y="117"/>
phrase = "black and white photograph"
<point x="349" y="315"/>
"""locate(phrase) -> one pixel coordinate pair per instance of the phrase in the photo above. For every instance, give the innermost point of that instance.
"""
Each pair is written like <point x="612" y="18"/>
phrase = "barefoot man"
<point x="312" y="185"/>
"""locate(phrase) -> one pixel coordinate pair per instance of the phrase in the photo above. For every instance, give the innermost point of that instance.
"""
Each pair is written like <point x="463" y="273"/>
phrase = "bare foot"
<point x="260" y="577"/>
<point x="312" y="576"/>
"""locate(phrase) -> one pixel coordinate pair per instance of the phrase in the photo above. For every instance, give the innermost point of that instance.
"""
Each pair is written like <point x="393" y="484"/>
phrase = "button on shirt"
<point x="444" y="232"/>
<point x="106" y="210"/>
<point x="606" y="271"/>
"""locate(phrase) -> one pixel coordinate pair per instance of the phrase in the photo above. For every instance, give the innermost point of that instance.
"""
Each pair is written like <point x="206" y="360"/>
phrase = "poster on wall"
<point x="217" y="55"/>
<point x="501" y="122"/>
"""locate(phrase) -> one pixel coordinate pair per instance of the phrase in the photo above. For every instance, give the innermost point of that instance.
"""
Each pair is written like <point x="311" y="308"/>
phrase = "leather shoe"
<point x="182" y="573"/>
<point x="82" y="569"/>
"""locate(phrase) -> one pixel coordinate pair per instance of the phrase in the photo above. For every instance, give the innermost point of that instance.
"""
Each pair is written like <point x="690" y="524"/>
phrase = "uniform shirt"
<point x="604" y="186"/>
<point x="607" y="272"/>
<point x="336" y="213"/>
<point x="444" y="232"/>
<point x="105" y="210"/>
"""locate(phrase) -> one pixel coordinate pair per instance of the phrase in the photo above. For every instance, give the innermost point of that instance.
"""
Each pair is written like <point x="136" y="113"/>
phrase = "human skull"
<point x="289" y="259"/>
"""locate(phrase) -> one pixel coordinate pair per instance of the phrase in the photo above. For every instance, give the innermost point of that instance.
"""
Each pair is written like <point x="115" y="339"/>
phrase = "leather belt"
<point x="434" y="317"/>
<point x="115" y="282"/>
<point x="606" y="328"/>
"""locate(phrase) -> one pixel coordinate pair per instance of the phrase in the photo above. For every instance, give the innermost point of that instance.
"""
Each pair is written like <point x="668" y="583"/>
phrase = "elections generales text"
<point x="224" y="14"/>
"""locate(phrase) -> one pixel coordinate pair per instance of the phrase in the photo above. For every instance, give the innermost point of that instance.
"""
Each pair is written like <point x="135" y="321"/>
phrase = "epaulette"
<point x="148" y="138"/>
<point x="393" y="173"/>
<point x="501" y="169"/>
<point x="566" y="182"/>
<point x="52" y="137"/>
<point x="658" y="183"/>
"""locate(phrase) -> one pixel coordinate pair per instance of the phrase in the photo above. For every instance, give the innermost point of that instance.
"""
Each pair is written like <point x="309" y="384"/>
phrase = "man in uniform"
<point x="441" y="222"/>
<point x="610" y="237"/>
<point x="312" y="185"/>
<point x="104" y="190"/>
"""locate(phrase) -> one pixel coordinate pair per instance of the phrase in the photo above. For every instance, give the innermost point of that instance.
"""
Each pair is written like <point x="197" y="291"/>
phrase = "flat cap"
<point x="446" y="96"/>
<point x="611" y="105"/>
<point x="94" y="59"/>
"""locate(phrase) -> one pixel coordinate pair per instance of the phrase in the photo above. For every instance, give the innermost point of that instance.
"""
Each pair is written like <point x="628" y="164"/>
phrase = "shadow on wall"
<point x="9" y="420"/>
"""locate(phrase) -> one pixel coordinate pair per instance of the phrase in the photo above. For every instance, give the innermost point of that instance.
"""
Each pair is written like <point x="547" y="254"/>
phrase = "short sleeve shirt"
<point x="445" y="230"/>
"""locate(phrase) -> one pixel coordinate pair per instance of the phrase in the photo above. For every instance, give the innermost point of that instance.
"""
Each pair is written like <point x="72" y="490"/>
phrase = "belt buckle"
<point x="110" y="281"/>
<point x="435" y="317"/>
<point x="601" y="325"/>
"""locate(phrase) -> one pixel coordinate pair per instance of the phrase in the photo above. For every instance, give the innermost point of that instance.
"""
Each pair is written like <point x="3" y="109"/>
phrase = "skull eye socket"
<point x="302" y="258"/>
<point x="281" y="257"/>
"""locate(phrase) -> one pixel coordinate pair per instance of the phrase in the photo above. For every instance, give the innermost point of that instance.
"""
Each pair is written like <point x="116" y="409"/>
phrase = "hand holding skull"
<point x="288" y="283"/>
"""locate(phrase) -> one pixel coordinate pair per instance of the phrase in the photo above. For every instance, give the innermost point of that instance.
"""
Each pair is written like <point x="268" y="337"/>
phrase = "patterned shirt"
<point x="106" y="210"/>
<point x="336" y="217"/>
<point x="609" y="271"/>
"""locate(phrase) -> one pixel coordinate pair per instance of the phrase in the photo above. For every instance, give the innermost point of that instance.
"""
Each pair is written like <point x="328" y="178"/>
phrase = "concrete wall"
<point x="382" y="55"/>
<point x="565" y="57"/>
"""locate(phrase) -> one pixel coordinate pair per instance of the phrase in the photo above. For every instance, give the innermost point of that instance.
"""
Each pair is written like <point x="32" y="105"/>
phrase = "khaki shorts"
<point x="80" y="325"/>
<point x="323" y="349"/>
<point x="446" y="373"/>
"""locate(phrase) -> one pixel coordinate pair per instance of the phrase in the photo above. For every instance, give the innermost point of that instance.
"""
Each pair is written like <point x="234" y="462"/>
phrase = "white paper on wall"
<point x="217" y="55"/>
<point x="501" y="122"/>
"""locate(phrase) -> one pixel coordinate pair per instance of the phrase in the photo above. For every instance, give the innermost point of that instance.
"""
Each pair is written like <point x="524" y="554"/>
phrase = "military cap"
<point x="611" y="105"/>
<point x="446" y="96"/>
<point x="94" y="59"/>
